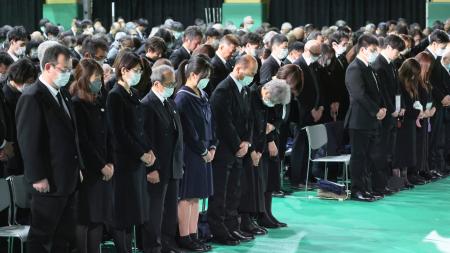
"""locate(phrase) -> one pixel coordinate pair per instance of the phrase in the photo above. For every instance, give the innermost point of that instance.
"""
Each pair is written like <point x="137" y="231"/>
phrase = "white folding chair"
<point x="317" y="138"/>
<point x="14" y="230"/>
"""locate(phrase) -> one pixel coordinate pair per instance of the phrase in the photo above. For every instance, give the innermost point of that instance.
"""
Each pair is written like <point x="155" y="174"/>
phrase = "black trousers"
<point x="53" y="224"/>
<point x="380" y="177"/>
<point x="223" y="205"/>
<point x="365" y="159"/>
<point x="299" y="159"/>
<point x="437" y="141"/>
<point x="160" y="230"/>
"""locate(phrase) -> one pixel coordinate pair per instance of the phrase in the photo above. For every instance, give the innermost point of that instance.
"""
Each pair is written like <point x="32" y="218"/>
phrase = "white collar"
<point x="290" y="59"/>
<point x="186" y="49"/>
<point x="385" y="57"/>
<point x="434" y="55"/>
<point x="15" y="58"/>
<point x="50" y="88"/>
<point x="159" y="96"/>
<point x="276" y="59"/>
<point x="221" y="58"/>
<point x="366" y="63"/>
<point x="238" y="84"/>
<point x="308" y="60"/>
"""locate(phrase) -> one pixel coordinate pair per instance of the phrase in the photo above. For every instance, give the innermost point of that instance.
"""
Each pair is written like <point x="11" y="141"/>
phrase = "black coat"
<point x="231" y="113"/>
<point x="14" y="165"/>
<point x="389" y="84"/>
<point x="95" y="195"/>
<point x="311" y="96"/>
<point x="44" y="126"/>
<point x="126" y="124"/>
<point x="405" y="154"/>
<point x="269" y="69"/>
<point x="365" y="97"/>
<point x="438" y="80"/>
<point x="219" y="73"/>
<point x="259" y="117"/>
<point x="178" y="56"/>
<point x="166" y="135"/>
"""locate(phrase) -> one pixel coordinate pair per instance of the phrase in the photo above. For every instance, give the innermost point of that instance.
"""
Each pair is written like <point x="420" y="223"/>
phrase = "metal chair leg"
<point x="326" y="171"/>
<point x="346" y="177"/>
<point x="134" y="245"/>
<point x="307" y="176"/>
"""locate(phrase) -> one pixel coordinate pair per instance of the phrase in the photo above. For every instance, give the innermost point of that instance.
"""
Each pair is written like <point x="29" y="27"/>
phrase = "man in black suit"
<point x="441" y="99"/>
<point x="73" y="29"/>
<point x="339" y="42"/>
<point x="155" y="48"/>
<point x="311" y="109"/>
<point x="163" y="127"/>
<point x="221" y="61"/>
<point x="96" y="49"/>
<point x="230" y="106"/>
<point x="295" y="50"/>
<point x="390" y="88"/>
<point x="446" y="64"/>
<point x="47" y="136"/>
<point x="251" y="43"/>
<point x="364" y="117"/>
<point x="191" y="39"/>
<point x="269" y="68"/>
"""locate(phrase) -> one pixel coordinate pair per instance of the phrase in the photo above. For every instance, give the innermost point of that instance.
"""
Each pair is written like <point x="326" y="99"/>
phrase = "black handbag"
<point x="204" y="233"/>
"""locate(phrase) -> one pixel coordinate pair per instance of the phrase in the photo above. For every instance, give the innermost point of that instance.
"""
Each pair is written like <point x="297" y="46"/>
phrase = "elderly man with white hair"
<point x="256" y="196"/>
<point x="286" y="27"/>
<point x="248" y="23"/>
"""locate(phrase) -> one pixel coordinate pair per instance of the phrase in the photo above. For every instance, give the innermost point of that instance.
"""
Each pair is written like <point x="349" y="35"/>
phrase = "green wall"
<point x="437" y="11"/>
<point x="62" y="13"/>
<point x="236" y="12"/>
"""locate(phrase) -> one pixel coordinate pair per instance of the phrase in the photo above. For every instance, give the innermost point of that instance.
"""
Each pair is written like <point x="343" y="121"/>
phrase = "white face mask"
<point x="282" y="54"/>
<point x="134" y="79"/>
<point x="20" y="51"/>
<point x="62" y="79"/>
<point x="268" y="103"/>
<point x="440" y="51"/>
<point x="203" y="83"/>
<point x="167" y="92"/>
<point x="372" y="56"/>
<point x="340" y="50"/>
<point x="251" y="51"/>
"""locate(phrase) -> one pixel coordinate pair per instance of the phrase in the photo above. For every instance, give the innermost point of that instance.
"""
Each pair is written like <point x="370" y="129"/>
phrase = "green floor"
<point x="396" y="224"/>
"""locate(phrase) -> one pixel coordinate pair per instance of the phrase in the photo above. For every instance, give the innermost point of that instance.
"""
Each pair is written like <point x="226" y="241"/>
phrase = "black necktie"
<point x="169" y="112"/>
<point x="61" y="103"/>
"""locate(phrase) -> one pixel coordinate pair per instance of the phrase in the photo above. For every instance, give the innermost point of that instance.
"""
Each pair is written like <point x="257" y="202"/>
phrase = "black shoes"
<point x="226" y="240"/>
<point x="242" y="236"/>
<point x="267" y="223"/>
<point x="417" y="180"/>
<point x="185" y="242"/>
<point x="362" y="196"/>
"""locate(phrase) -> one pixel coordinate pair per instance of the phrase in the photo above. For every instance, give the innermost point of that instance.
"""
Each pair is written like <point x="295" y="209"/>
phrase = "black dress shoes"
<point x="267" y="223"/>
<point x="360" y="196"/>
<point x="185" y="242"/>
<point x="226" y="240"/>
<point x="417" y="180"/>
<point x="375" y="195"/>
<point x="252" y="229"/>
<point x="242" y="236"/>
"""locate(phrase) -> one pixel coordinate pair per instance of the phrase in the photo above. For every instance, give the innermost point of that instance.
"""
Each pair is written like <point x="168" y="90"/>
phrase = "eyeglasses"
<point x="170" y="85"/>
<point x="137" y="71"/>
<point x="64" y="71"/>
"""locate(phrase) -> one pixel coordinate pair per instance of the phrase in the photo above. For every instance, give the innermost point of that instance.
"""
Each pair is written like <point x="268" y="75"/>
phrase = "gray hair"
<point x="43" y="47"/>
<point x="279" y="90"/>
<point x="160" y="73"/>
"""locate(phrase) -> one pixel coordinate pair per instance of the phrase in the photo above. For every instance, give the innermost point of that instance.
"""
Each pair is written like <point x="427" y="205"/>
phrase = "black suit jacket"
<point x="48" y="140"/>
<point x="14" y="165"/>
<point x="178" y="56"/>
<point x="438" y="77"/>
<point x="219" y="73"/>
<point x="269" y="69"/>
<point x="389" y="84"/>
<point x="259" y="117"/>
<point x="231" y="113"/>
<point x="311" y="96"/>
<point x="94" y="136"/>
<point x="165" y="133"/>
<point x="365" y="97"/>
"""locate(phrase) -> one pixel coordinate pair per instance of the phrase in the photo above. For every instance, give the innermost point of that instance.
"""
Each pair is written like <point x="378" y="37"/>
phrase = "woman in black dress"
<point x="199" y="148"/>
<point x="405" y="155"/>
<point x="425" y="59"/>
<point x="95" y="193"/>
<point x="131" y="150"/>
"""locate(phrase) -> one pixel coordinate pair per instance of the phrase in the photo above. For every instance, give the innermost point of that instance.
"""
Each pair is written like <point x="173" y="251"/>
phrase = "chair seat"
<point x="338" y="159"/>
<point x="18" y="231"/>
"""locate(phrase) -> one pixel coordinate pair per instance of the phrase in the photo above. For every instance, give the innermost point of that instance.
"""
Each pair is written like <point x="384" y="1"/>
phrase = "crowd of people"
<point x="125" y="131"/>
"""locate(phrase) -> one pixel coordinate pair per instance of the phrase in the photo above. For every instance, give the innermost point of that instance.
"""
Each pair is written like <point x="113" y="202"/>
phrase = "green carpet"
<point x="395" y="224"/>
